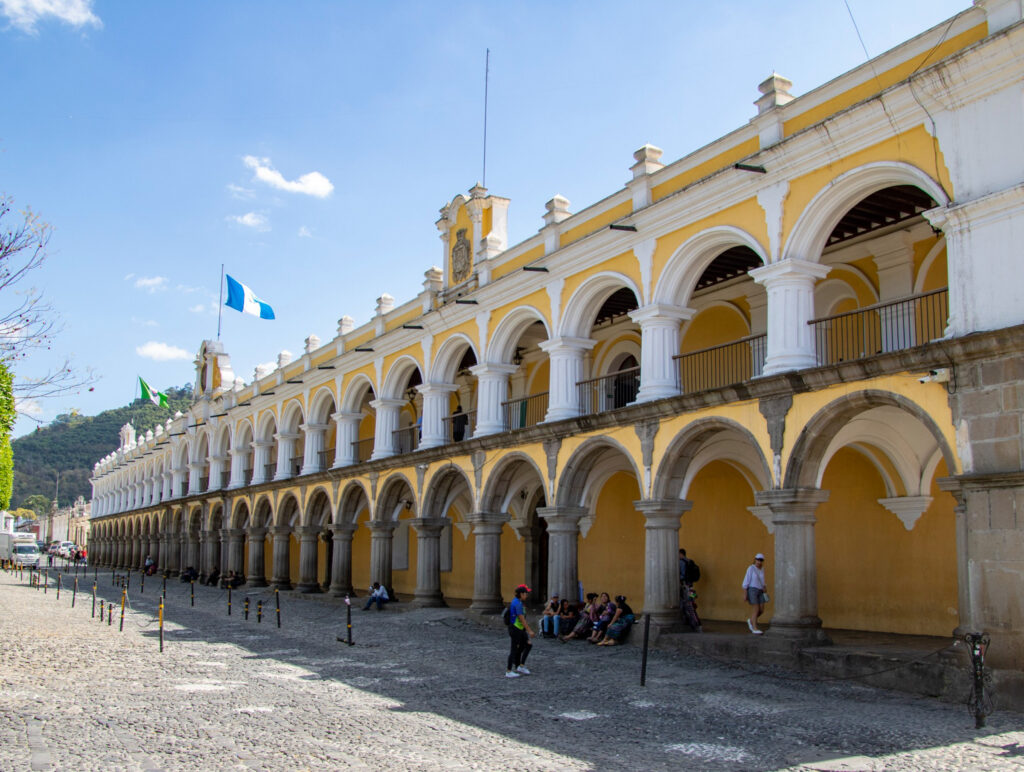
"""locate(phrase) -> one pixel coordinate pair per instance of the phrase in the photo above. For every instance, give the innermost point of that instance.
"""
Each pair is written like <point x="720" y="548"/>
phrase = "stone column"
<point x="217" y="465"/>
<point x="170" y="561"/>
<point x="566" y="370"/>
<point x="347" y="434"/>
<point x="225" y="551"/>
<point x="563" y="549"/>
<point x="796" y="582"/>
<point x="257" y="570"/>
<point x="487" y="528"/>
<point x="282" y="565"/>
<point x="236" y="550"/>
<point x="285" y="454"/>
<point x="435" y="407"/>
<point x="659" y="342"/>
<point x="307" y="558"/>
<point x="260" y="459"/>
<point x="341" y="564"/>
<point x="428" y="560"/>
<point x="177" y="480"/>
<point x="195" y="471"/>
<point x="790" y="288"/>
<point x="380" y="551"/>
<point x="203" y="566"/>
<point x="155" y="484"/>
<point x="168" y="483"/>
<point x="135" y="558"/>
<point x="386" y="424"/>
<point x="314" y="446"/>
<point x="153" y="547"/>
<point x="491" y="391"/>
<point x="238" y="456"/>
<point x="661" y="557"/>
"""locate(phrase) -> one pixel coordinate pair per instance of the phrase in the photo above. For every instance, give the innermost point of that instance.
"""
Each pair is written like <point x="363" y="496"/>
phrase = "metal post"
<point x="163" y="587"/>
<point x="978" y="643"/>
<point x="277" y="597"/>
<point x="229" y="601"/>
<point x="348" y="622"/>
<point x="110" y="614"/>
<point x="101" y="609"/>
<point x="128" y="580"/>
<point x="74" y="593"/>
<point x="46" y="582"/>
<point x="161" y="624"/>
<point x="124" y="596"/>
<point x="94" y="600"/>
<point x="259" y="610"/>
<point x="58" y="585"/>
<point x="192" y="585"/>
<point x="247" y="608"/>
<point x="142" y="582"/>
<point x="643" y="658"/>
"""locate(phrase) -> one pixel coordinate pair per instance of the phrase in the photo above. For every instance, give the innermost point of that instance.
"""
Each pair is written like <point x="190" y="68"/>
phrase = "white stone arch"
<point x="509" y="330"/>
<point x="398" y="375"/>
<point x="292" y="417"/>
<point x="608" y="362"/>
<point x="577" y="318"/>
<point x="449" y="354"/>
<point x="397" y="494"/>
<point x="289" y="511"/>
<point x="732" y="308"/>
<point x="180" y="456"/>
<point x="514" y="473"/>
<point x="449" y="486"/>
<point x="590" y="465"/>
<point x="199" y="447"/>
<point x="676" y="283"/>
<point x="322" y="405"/>
<point x="221" y="441"/>
<point x="243" y="435"/>
<point x="353" y="500"/>
<point x="939" y="248"/>
<point x="266" y="428"/>
<point x="240" y="514"/>
<point x="819" y="218"/>
<point x="352" y="400"/>
<point x="315" y="510"/>
<point x="829" y="293"/>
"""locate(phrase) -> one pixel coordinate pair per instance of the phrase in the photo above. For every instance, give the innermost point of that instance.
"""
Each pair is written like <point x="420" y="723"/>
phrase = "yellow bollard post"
<point x="124" y="597"/>
<point x="161" y="625"/>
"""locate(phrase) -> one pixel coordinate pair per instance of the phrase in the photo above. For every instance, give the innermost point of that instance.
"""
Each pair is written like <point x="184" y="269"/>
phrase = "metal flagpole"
<point x="220" y="300"/>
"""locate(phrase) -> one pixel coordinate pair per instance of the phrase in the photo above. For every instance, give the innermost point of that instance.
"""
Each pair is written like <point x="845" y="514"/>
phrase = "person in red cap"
<point x="519" y="634"/>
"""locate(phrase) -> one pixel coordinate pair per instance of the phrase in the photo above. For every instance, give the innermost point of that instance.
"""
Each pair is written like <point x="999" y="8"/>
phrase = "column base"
<point x="279" y="585"/>
<point x="487" y="605"/>
<point x="803" y="634"/>
<point x="341" y="592"/>
<point x="308" y="588"/>
<point x="255" y="581"/>
<point x="428" y="601"/>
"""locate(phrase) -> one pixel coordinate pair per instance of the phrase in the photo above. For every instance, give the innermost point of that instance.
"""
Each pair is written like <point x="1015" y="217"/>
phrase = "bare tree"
<point x="27" y="322"/>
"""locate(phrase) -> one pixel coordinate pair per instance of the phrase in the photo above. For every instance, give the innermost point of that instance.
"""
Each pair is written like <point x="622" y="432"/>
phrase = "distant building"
<point x="67" y="524"/>
<point x="804" y="339"/>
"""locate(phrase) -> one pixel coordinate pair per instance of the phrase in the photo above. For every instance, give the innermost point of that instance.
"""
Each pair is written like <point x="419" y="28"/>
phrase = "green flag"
<point x="158" y="398"/>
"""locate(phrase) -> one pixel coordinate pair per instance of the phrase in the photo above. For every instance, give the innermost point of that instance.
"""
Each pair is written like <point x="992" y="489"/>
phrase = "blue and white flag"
<point x="243" y="299"/>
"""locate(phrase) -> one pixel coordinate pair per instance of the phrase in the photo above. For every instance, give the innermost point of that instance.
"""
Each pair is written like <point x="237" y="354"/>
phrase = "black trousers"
<point x="520" y="644"/>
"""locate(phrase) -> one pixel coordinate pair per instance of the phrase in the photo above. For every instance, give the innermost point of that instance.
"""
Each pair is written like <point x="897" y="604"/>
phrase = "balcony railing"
<point x="326" y="458"/>
<point x="875" y="329"/>
<point x="225" y="479"/>
<point x="608" y="392"/>
<point x="460" y="426"/>
<point x="270" y="470"/>
<point x="717" y="366"/>
<point x="363" y="449"/>
<point x="406" y="440"/>
<point x="528" y="411"/>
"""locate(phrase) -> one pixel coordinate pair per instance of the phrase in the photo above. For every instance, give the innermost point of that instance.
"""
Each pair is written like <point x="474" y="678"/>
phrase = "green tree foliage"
<point x="6" y="424"/>
<point x="73" y="443"/>
<point x="37" y="503"/>
<point x="24" y="514"/>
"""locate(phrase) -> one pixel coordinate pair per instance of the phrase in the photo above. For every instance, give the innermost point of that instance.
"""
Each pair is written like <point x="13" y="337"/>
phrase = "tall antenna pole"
<point x="220" y="300"/>
<point x="487" y="73"/>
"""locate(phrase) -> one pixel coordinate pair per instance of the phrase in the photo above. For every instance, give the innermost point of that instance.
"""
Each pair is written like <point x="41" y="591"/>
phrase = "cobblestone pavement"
<point x="421" y="690"/>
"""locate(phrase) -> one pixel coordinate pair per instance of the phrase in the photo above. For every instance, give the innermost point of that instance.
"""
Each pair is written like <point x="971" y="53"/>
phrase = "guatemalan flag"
<point x="243" y="299"/>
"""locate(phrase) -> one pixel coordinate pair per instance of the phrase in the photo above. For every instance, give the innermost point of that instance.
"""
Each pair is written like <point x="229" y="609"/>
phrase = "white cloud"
<point x="144" y="322"/>
<point x="197" y="309"/>
<point x="28" y="406"/>
<point x="251" y="220"/>
<point x="237" y="191"/>
<point x="305" y="233"/>
<point x="151" y="283"/>
<point x="24" y="14"/>
<point x="161" y="352"/>
<point x="311" y="184"/>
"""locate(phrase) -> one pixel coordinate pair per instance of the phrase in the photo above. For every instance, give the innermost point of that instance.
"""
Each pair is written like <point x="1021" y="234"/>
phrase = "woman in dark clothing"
<point x="605" y="618"/>
<point x="620" y="623"/>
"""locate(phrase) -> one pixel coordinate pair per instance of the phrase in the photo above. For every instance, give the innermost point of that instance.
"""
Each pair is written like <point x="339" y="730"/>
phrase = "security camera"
<point x="935" y="376"/>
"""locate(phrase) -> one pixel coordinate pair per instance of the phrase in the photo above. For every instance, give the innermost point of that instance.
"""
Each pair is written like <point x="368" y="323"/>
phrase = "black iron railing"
<point x="527" y="411"/>
<point x="459" y="426"/>
<point x="717" y="366"/>
<point x="406" y="440"/>
<point x="362" y="449"/>
<point x="876" y="329"/>
<point x="608" y="392"/>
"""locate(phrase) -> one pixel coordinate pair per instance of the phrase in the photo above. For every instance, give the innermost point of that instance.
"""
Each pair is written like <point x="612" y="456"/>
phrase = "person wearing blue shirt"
<point x="519" y="634"/>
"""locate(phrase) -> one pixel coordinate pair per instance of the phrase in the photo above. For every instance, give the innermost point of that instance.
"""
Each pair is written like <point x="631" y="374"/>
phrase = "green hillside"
<point x="73" y="443"/>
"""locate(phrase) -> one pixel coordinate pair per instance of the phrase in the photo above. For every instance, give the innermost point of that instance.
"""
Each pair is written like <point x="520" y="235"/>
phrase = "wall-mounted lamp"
<point x="407" y="503"/>
<point x="517" y="358"/>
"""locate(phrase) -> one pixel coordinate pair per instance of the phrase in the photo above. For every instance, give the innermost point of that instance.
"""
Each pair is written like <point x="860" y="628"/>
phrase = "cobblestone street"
<point x="421" y="690"/>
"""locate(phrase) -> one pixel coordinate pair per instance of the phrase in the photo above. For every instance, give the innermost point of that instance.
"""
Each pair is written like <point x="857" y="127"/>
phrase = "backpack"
<point x="506" y="616"/>
<point x="692" y="572"/>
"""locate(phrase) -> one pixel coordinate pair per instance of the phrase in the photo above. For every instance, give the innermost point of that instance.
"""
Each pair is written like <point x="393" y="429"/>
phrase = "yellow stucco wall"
<point x="611" y="556"/>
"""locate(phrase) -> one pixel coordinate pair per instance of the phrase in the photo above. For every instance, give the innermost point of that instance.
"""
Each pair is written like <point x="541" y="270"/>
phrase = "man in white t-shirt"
<point x="754" y="591"/>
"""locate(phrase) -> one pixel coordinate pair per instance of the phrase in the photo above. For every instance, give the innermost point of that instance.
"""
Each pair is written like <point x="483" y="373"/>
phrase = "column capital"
<point x="308" y="427"/>
<point x="279" y="530"/>
<point x="381" y="527"/>
<point x="493" y="368"/>
<point x="342" y="416"/>
<point x="562" y="519"/>
<point x="287" y="436"/>
<point x="479" y="520"/>
<point x="662" y="513"/>
<point x="791" y="505"/>
<point x="342" y="530"/>
<point x="235" y="533"/>
<point x="262" y="443"/>
<point x="789" y="270"/>
<point x="436" y="388"/>
<point x="385" y="402"/>
<point x="307" y="532"/>
<point x="661" y="313"/>
<point x="565" y="344"/>
<point x="257" y="533"/>
<point x="427" y="526"/>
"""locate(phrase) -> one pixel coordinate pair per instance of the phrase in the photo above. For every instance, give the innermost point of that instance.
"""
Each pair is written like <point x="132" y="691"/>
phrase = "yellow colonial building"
<point x="802" y="339"/>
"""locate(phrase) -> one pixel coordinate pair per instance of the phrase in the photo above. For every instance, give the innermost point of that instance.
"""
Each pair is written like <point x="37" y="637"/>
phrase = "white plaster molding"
<point x="907" y="508"/>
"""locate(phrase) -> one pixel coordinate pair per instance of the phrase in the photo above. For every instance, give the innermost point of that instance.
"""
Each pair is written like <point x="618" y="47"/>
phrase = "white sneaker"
<point x="750" y="626"/>
<point x="522" y="670"/>
<point x="758" y="632"/>
<point x="511" y="674"/>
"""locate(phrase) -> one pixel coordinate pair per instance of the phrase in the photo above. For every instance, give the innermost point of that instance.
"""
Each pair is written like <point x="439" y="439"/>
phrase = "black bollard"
<point x="124" y="595"/>
<point x="163" y="587"/>
<point x="94" y="600"/>
<point x="74" y="593"/>
<point x="110" y="614"/>
<point x="643" y="658"/>
<point x="161" y="625"/>
<point x="59" y="575"/>
<point x="142" y="582"/>
<point x="229" y="600"/>
<point x="277" y="597"/>
<point x="192" y="585"/>
<point x="977" y="644"/>
<point x="246" y="608"/>
<point x="46" y="582"/>
<point x="259" y="610"/>
<point x="348" y="613"/>
<point x="101" y="610"/>
<point x="128" y="580"/>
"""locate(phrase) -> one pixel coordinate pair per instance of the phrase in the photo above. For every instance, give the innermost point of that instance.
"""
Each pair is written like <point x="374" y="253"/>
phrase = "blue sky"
<point x="309" y="145"/>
